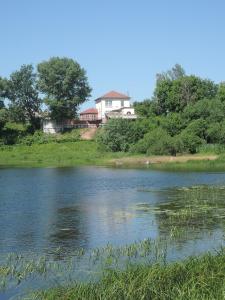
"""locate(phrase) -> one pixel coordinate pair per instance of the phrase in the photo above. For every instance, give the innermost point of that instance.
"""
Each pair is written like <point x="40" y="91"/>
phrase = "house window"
<point x="122" y="103"/>
<point x="108" y="103"/>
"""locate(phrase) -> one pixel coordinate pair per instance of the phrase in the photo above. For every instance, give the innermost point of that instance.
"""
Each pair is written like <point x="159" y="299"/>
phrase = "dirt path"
<point x="161" y="159"/>
<point x="88" y="133"/>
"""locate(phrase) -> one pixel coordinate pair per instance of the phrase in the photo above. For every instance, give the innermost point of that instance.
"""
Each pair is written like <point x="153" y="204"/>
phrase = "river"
<point x="43" y="209"/>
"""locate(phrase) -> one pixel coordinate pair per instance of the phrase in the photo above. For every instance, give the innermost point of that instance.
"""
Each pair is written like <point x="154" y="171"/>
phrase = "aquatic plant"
<point x="187" y="212"/>
<point x="194" y="278"/>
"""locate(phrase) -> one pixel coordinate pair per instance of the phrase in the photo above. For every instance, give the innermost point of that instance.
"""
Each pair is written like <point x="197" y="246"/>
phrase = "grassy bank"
<point x="54" y="155"/>
<point x="87" y="153"/>
<point x="195" y="278"/>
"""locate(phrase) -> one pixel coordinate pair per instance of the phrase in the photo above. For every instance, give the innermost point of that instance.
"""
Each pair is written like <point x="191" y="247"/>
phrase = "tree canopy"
<point x="175" y="90"/>
<point x="23" y="96"/>
<point x="64" y="85"/>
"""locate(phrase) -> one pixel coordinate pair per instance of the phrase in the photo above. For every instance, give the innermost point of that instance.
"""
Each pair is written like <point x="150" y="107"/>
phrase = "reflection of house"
<point x="111" y="101"/>
<point x="89" y="114"/>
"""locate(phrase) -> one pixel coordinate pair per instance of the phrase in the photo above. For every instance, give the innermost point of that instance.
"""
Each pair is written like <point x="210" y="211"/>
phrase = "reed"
<point x="194" y="278"/>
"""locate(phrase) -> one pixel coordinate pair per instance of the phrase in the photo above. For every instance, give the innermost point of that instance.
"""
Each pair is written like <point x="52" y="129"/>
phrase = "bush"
<point x="157" y="141"/>
<point x="197" y="127"/>
<point x="173" y="123"/>
<point x="216" y="133"/>
<point x="190" y="141"/>
<point x="43" y="138"/>
<point x="212" y="110"/>
<point x="13" y="132"/>
<point x="120" y="134"/>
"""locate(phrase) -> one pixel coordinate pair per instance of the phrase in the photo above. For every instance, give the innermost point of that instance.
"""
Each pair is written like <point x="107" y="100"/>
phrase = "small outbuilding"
<point x="90" y="114"/>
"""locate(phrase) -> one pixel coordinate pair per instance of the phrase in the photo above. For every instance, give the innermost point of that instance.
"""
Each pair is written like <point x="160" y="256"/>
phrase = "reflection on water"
<point x="43" y="209"/>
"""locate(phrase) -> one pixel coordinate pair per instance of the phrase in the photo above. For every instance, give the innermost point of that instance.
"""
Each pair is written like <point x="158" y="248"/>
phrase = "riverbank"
<point x="195" y="278"/>
<point x="80" y="153"/>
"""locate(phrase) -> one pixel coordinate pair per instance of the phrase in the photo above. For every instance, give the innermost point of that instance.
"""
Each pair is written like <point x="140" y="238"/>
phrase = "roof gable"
<point x="89" y="111"/>
<point x="113" y="95"/>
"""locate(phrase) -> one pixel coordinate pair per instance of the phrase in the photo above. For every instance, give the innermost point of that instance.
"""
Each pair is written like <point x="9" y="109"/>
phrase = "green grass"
<point x="54" y="155"/>
<point x="80" y="153"/>
<point x="192" y="279"/>
<point x="136" y="271"/>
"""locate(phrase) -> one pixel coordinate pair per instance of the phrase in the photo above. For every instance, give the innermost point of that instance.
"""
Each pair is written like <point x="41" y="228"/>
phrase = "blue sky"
<point x="121" y="44"/>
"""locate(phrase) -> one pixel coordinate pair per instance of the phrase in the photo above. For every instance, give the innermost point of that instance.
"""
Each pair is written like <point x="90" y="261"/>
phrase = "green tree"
<point x="175" y="73"/>
<point x="64" y="84"/>
<point x="146" y="108"/>
<point x="221" y="92"/>
<point x="3" y="89"/>
<point x="173" y="123"/>
<point x="197" y="127"/>
<point x="212" y="110"/>
<point x="23" y="96"/>
<point x="3" y="117"/>
<point x="174" y="93"/>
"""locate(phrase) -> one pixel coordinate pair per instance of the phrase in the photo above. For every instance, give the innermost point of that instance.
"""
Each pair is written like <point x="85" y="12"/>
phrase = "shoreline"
<point x="86" y="153"/>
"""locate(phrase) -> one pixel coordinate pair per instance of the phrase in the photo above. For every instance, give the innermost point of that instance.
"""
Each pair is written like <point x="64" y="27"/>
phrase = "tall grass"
<point x="194" y="278"/>
<point x="54" y="155"/>
<point x="136" y="271"/>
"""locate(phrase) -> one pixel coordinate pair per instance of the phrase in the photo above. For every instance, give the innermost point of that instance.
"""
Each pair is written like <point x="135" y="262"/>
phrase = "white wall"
<point x="128" y="110"/>
<point x="50" y="126"/>
<point x="116" y="104"/>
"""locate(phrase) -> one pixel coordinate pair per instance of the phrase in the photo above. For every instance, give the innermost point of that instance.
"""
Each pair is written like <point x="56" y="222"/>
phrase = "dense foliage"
<point x="185" y="113"/>
<point x="64" y="84"/>
<point x="60" y="83"/>
<point x="120" y="134"/>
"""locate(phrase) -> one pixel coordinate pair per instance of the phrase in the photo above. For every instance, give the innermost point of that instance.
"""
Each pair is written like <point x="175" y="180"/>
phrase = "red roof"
<point x="89" y="111"/>
<point x="114" y="95"/>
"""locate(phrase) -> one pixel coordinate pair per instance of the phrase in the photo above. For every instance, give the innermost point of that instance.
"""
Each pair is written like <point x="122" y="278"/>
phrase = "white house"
<point x="123" y="112"/>
<point x="109" y="102"/>
<point x="109" y="106"/>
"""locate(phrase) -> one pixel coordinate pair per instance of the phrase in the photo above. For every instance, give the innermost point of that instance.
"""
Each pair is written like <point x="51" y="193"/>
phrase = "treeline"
<point x="59" y="84"/>
<point x="184" y="113"/>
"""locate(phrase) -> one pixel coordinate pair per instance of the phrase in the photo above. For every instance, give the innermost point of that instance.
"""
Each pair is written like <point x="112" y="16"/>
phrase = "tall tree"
<point x="65" y="86"/>
<point x="3" y="88"/>
<point x="175" y="90"/>
<point x="175" y="73"/>
<point x="221" y="91"/>
<point x="23" y="96"/>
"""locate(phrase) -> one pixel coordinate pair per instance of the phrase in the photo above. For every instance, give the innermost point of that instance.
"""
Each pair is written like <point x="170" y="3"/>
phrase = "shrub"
<point x="216" y="133"/>
<point x="197" y="127"/>
<point x="173" y="123"/>
<point x="120" y="134"/>
<point x="190" y="141"/>
<point x="157" y="141"/>
<point x="12" y="132"/>
<point x="43" y="138"/>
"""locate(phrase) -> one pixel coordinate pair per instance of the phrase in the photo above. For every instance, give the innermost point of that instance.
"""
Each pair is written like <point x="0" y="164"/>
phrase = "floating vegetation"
<point x="187" y="211"/>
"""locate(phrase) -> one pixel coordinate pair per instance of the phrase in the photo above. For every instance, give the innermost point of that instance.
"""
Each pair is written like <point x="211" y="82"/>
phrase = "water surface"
<point x="43" y="209"/>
